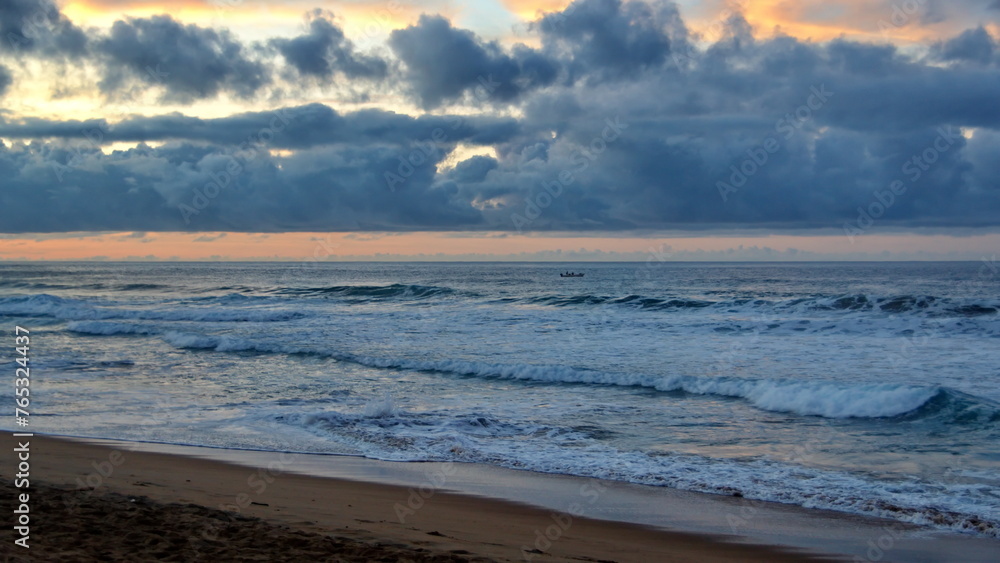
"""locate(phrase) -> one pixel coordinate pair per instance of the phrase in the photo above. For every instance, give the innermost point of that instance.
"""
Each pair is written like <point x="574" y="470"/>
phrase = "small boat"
<point x="570" y="275"/>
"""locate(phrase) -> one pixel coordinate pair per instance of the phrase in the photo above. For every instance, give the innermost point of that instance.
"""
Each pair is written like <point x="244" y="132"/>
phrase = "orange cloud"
<point x="854" y="19"/>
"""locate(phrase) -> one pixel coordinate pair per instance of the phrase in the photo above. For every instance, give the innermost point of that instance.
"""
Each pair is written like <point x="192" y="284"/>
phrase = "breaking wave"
<point x="808" y="398"/>
<point x="928" y="305"/>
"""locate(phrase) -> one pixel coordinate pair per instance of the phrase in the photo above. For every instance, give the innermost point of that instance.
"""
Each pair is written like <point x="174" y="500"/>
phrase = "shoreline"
<point x="445" y="525"/>
<point x="444" y="507"/>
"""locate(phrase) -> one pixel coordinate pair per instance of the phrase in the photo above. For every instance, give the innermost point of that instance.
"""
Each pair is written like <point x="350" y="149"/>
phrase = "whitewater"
<point x="868" y="388"/>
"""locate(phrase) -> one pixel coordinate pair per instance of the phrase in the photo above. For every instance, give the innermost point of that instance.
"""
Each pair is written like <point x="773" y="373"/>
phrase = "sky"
<point x="499" y="130"/>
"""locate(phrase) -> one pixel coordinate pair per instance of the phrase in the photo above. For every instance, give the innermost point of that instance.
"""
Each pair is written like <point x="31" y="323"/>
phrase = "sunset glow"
<point x="331" y="247"/>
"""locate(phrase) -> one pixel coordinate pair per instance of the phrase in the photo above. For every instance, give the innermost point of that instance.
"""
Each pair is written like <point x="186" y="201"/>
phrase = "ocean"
<point x="868" y="388"/>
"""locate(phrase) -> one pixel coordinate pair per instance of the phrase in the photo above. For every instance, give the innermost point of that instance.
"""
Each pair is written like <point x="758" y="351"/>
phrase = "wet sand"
<point x="93" y="502"/>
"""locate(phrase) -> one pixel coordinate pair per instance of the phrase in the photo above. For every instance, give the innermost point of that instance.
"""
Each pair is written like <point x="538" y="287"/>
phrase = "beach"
<point x="586" y="280"/>
<point x="154" y="506"/>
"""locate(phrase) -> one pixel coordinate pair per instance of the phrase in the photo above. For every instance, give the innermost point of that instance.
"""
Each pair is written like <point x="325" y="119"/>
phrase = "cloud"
<point x="324" y="51"/>
<point x="442" y="63"/>
<point x="617" y="123"/>
<point x="189" y="62"/>
<point x="5" y="80"/>
<point x="326" y="187"/>
<point x="38" y="27"/>
<point x="609" y="39"/>
<point x="973" y="45"/>
<point x="473" y="170"/>
<point x="284" y="128"/>
<point x="210" y="238"/>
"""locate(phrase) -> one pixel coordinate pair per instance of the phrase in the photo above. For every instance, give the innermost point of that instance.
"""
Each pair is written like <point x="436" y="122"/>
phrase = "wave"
<point x="45" y="305"/>
<point x="935" y="306"/>
<point x="15" y="284"/>
<point x="955" y="407"/>
<point x="196" y="341"/>
<point x="358" y="293"/>
<point x="856" y="305"/>
<point x="637" y="301"/>
<point x="475" y="437"/>
<point x="892" y="305"/>
<point x="470" y="438"/>
<point x="807" y="398"/>
<point x="382" y="408"/>
<point x="380" y="420"/>
<point x="141" y="287"/>
<point x="372" y="292"/>
<point x="825" y="399"/>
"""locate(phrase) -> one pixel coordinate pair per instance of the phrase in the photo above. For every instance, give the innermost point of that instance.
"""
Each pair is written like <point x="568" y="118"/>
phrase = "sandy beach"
<point x="91" y="502"/>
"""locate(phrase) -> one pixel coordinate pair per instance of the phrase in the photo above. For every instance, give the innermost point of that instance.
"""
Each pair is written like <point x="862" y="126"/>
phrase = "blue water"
<point x="862" y="387"/>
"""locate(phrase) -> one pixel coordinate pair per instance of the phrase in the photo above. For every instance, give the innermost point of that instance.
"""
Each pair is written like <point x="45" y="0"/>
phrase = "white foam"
<point x="451" y="437"/>
<point x="189" y="340"/>
<point x="821" y="398"/>
<point x="384" y="407"/>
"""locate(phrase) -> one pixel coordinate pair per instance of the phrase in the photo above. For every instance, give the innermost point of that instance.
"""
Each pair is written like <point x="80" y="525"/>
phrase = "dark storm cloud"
<point x="443" y="63"/>
<point x="5" y="80"/>
<point x="38" y="27"/>
<point x="929" y="97"/>
<point x="188" y="61"/>
<point x="973" y="45"/>
<point x="300" y="127"/>
<point x="847" y="121"/>
<point x="324" y="51"/>
<point x="609" y="39"/>
<point x="622" y="124"/>
<point x="325" y="188"/>
<point x="473" y="170"/>
<point x="335" y="180"/>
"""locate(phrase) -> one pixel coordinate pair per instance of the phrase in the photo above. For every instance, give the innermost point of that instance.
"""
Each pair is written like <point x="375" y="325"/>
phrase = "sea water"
<point x="869" y="388"/>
